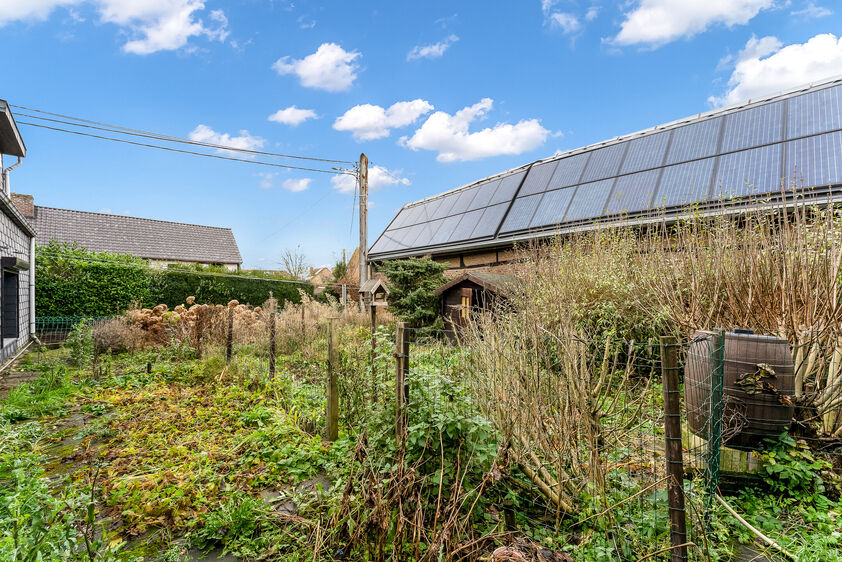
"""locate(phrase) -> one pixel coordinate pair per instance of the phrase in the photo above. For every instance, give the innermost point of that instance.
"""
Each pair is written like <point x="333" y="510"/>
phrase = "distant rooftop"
<point x="723" y="158"/>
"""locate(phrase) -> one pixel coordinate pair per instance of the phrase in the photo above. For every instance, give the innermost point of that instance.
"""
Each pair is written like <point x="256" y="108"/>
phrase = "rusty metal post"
<point x="401" y="370"/>
<point x="674" y="453"/>
<point x="272" y="320"/>
<point x="230" y="344"/>
<point x="332" y="383"/>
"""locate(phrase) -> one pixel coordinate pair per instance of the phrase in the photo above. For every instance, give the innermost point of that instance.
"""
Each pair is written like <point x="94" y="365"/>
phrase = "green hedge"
<point x="72" y="281"/>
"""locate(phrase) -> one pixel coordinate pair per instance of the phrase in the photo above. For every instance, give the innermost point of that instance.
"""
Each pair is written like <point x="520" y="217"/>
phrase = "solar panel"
<point x="589" y="200"/>
<point x="748" y="172"/>
<point x="442" y="229"/>
<point x="646" y="152"/>
<point x="384" y="244"/>
<point x="552" y="207"/>
<point x="400" y="220"/>
<point x="444" y="208"/>
<point x="463" y="202"/>
<point x="484" y="193"/>
<point x="633" y="193"/>
<point x="424" y="235"/>
<point x="815" y="112"/>
<point x="521" y="213"/>
<point x="538" y="178"/>
<point x="694" y="141"/>
<point x="508" y="186"/>
<point x="432" y="207"/>
<point x="815" y="161"/>
<point x="604" y="162"/>
<point x="405" y="237"/>
<point x="467" y="224"/>
<point x="752" y="127"/>
<point x="684" y="184"/>
<point x="490" y="220"/>
<point x="568" y="171"/>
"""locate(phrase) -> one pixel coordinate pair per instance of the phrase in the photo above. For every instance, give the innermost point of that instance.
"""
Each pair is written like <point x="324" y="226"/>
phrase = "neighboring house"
<point x="17" y="245"/>
<point x="722" y="161"/>
<point x="162" y="242"/>
<point x="321" y="278"/>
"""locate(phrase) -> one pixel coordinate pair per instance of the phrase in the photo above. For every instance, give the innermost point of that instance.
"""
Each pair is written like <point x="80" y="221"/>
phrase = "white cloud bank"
<point x="151" y="25"/>
<point x="369" y="122"/>
<point x="450" y="135"/>
<point x="330" y="68"/>
<point x="293" y="116"/>
<point x="765" y="67"/>
<point x="298" y="184"/>
<point x="245" y="141"/>
<point x="378" y="178"/>
<point x="433" y="51"/>
<point x="657" y="22"/>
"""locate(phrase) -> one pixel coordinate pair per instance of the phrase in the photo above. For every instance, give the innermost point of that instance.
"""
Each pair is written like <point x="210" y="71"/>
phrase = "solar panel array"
<point x="733" y="154"/>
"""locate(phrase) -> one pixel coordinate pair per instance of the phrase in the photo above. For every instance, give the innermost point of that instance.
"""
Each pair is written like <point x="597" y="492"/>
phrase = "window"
<point x="466" y="302"/>
<point x="9" y="303"/>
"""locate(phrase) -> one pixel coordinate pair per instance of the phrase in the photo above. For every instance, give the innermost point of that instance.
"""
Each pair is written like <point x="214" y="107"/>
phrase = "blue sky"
<point x="436" y="93"/>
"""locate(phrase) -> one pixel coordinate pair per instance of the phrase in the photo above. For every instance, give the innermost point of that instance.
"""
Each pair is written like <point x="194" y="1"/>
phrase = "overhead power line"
<point x="334" y="171"/>
<point x="160" y="136"/>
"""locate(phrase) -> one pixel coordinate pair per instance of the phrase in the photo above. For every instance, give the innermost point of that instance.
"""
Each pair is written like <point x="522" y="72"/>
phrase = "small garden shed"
<point x="471" y="291"/>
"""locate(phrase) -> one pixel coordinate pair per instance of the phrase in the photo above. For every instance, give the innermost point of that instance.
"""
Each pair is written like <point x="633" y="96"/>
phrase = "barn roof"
<point x="720" y="161"/>
<point x="494" y="282"/>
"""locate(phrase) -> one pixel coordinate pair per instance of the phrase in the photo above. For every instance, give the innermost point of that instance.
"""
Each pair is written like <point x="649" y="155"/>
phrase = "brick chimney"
<point x="25" y="204"/>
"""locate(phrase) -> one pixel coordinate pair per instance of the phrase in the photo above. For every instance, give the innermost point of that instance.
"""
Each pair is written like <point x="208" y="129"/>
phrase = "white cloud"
<point x="330" y="68"/>
<point x="296" y="185"/>
<point x="592" y="13"/>
<point x="369" y="122"/>
<point x="433" y="51"/>
<point x="245" y="141"/>
<point x="765" y="67"/>
<point x="811" y="11"/>
<point x="568" y="23"/>
<point x="152" y="25"/>
<point x="293" y="116"/>
<point x="267" y="179"/>
<point x="378" y="178"/>
<point x="449" y="135"/>
<point x="656" y="22"/>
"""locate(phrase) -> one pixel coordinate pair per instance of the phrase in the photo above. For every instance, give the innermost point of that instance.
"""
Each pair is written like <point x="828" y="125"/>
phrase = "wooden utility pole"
<point x="363" y="219"/>
<point x="672" y="438"/>
<point x="401" y="370"/>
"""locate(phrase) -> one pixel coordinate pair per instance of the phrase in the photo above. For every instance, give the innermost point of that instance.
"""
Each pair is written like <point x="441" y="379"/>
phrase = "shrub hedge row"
<point x="72" y="281"/>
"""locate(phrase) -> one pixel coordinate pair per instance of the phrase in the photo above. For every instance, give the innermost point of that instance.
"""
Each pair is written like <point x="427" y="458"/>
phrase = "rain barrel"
<point x="758" y="385"/>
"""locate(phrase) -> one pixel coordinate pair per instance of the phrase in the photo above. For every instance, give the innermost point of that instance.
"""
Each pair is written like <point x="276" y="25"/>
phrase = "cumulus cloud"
<point x="293" y="116"/>
<point x="369" y="122"/>
<point x="657" y="22"/>
<point x="378" y="178"/>
<point x="330" y="68"/>
<point x="244" y="141"/>
<point x="151" y="25"/>
<point x="450" y="135"/>
<point x="765" y="67"/>
<point x="297" y="184"/>
<point x="433" y="51"/>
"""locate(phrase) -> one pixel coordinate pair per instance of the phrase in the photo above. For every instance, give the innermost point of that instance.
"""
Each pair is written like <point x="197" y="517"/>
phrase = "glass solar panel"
<point x="490" y="220"/>
<point x="442" y="229"/>
<point x="552" y="207"/>
<point x="432" y="207"/>
<point x="384" y="244"/>
<point x="646" y="152"/>
<point x="752" y="127"/>
<point x="405" y="237"/>
<point x="463" y="202"/>
<point x="467" y="223"/>
<point x="521" y="213"/>
<point x="815" y="112"/>
<point x="694" y="141"/>
<point x="538" y="178"/>
<point x="684" y="184"/>
<point x="604" y="162"/>
<point x="589" y="200"/>
<point x="508" y="186"/>
<point x="424" y="236"/>
<point x="444" y="208"/>
<point x="568" y="171"/>
<point x="484" y="194"/>
<point x="400" y="220"/>
<point x="814" y="161"/>
<point x="748" y="172"/>
<point x="633" y="193"/>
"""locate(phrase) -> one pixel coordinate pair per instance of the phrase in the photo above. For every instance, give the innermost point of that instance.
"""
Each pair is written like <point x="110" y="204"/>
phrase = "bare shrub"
<point x="116" y="335"/>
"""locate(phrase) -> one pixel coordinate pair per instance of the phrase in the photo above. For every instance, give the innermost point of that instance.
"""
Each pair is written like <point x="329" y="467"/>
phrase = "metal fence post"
<point x="230" y="344"/>
<point x="401" y="369"/>
<point x="717" y="364"/>
<point x="674" y="453"/>
<point x="332" y="383"/>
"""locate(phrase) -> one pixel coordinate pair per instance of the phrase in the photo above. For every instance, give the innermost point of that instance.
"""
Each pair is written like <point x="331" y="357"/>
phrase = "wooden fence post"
<point x="303" y="326"/>
<point x="373" y="349"/>
<point x="672" y="439"/>
<point x="332" y="383"/>
<point x="272" y="320"/>
<point x="401" y="370"/>
<point x="230" y="345"/>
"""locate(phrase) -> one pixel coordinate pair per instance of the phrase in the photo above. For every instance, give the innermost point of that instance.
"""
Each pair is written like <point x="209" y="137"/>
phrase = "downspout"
<point x="6" y="187"/>
<point x="32" y="287"/>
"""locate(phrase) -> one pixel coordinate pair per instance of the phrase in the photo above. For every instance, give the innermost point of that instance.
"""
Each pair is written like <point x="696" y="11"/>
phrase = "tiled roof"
<point x="145" y="238"/>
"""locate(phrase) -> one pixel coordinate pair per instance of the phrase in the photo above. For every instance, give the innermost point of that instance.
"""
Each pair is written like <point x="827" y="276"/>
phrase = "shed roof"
<point x="720" y="161"/>
<point x="371" y="285"/>
<point x="146" y="238"/>
<point x="10" y="140"/>
<point x="495" y="282"/>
